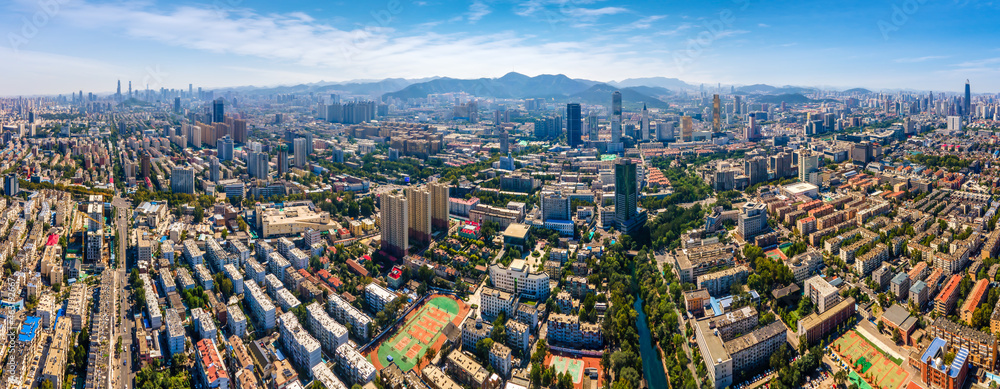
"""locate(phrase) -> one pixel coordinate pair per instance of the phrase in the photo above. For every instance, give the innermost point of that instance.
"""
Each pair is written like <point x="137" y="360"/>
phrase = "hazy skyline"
<point x="59" y="46"/>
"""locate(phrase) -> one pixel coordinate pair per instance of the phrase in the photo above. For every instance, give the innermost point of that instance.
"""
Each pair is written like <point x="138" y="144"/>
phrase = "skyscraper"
<point x="146" y="164"/>
<point x="808" y="166"/>
<point x="967" y="109"/>
<point x="11" y="185"/>
<point x="574" y="125"/>
<point x="300" y="150"/>
<point x="439" y="205"/>
<point x="282" y="160"/>
<point x="627" y="215"/>
<point x="592" y="127"/>
<point x="214" y="167"/>
<point x="395" y="225"/>
<point x="555" y="206"/>
<point x="182" y="181"/>
<point x="737" y="105"/>
<point x="218" y="111"/>
<point x="616" y="117"/>
<point x="419" y="218"/>
<point x="644" y="124"/>
<point x="716" y="114"/>
<point x="687" y="129"/>
<point x="504" y="142"/>
<point x="225" y="148"/>
<point x="118" y="95"/>
<point x="177" y="105"/>
<point x="240" y="131"/>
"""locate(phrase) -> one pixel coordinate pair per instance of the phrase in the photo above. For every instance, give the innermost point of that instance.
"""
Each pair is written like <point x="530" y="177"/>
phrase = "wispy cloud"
<point x="477" y="10"/>
<point x="593" y="13"/>
<point x="641" y="24"/>
<point x="920" y="59"/>
<point x="676" y="30"/>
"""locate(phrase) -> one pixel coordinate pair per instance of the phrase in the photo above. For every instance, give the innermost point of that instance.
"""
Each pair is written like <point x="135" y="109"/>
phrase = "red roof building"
<point x="975" y="299"/>
<point x="211" y="369"/>
<point x="395" y="277"/>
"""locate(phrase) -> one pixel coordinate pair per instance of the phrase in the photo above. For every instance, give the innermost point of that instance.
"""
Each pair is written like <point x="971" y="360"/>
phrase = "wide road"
<point x="126" y="379"/>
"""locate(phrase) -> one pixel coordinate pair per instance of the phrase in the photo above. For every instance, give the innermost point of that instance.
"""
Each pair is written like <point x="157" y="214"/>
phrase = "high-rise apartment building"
<point x="687" y="129"/>
<point x="301" y="150"/>
<point x="213" y="166"/>
<point x="225" y="148"/>
<point x="395" y="224"/>
<point x="716" y="114"/>
<point x="11" y="185"/>
<point x="439" y="205"/>
<point x="808" y="167"/>
<point x="419" y="218"/>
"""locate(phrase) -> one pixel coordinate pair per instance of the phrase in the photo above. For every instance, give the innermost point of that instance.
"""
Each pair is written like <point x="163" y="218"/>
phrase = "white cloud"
<point x="762" y="25"/>
<point x="477" y="10"/>
<point x="641" y="24"/>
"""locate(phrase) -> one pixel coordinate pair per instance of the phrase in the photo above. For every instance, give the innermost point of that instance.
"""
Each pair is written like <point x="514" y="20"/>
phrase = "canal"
<point x="652" y="366"/>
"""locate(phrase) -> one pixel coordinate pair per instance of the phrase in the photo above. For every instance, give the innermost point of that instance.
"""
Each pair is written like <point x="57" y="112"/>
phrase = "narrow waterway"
<point x="652" y="366"/>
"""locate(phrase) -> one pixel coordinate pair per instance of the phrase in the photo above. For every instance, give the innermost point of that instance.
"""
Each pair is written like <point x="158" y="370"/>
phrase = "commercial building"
<point x="692" y="262"/>
<point x="752" y="220"/>
<point x="292" y="219"/>
<point x="521" y="280"/>
<point x="182" y="181"/>
<point x="628" y="216"/>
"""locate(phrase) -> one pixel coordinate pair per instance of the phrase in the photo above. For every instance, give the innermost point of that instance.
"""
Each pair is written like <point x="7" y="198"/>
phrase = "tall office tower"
<point x="146" y="164"/>
<point x="644" y="124"/>
<point x="177" y="105"/>
<point x="395" y="225"/>
<point x="182" y="181"/>
<point x="257" y="164"/>
<point x="214" y="167"/>
<point x="665" y="131"/>
<point x="31" y="117"/>
<point x="755" y="169"/>
<point x="781" y="164"/>
<point x="574" y="125"/>
<point x="240" y="131"/>
<point x="504" y="142"/>
<point x="11" y="185"/>
<point x="616" y="117"/>
<point x="218" y="111"/>
<point x="191" y="91"/>
<point x="737" y="105"/>
<point x="627" y="215"/>
<point x="808" y="167"/>
<point x="129" y="91"/>
<point x="752" y="132"/>
<point x="716" y="114"/>
<point x="309" y="142"/>
<point x="967" y="109"/>
<point x="282" y="160"/>
<point x="555" y="206"/>
<point x="118" y="95"/>
<point x="300" y="150"/>
<point x="687" y="129"/>
<point x="419" y="217"/>
<point x="592" y="126"/>
<point x="225" y="148"/>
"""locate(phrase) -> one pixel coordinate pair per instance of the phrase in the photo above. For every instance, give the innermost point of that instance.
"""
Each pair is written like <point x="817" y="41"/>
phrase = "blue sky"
<point x="57" y="46"/>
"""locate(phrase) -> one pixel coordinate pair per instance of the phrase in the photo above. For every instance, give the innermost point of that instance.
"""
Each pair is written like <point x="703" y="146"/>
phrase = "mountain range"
<point x="558" y="88"/>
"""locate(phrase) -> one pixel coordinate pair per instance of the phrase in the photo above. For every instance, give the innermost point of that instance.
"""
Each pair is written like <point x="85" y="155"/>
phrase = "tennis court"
<point x="869" y="363"/>
<point x="421" y="329"/>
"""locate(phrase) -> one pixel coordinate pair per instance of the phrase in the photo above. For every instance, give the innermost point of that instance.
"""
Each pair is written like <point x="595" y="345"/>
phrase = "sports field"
<point x="575" y="366"/>
<point x="421" y="329"/>
<point x="870" y="362"/>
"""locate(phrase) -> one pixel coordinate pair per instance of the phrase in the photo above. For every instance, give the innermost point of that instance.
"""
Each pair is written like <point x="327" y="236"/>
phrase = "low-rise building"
<point x="354" y="366"/>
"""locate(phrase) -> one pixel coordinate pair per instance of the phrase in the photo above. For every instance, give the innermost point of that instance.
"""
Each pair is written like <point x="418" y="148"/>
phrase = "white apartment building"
<point x="304" y="350"/>
<point x="261" y="308"/>
<point x="377" y="297"/>
<point x="328" y="332"/>
<point x="354" y="366"/>
<point x="521" y="280"/>
<point x="346" y="313"/>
